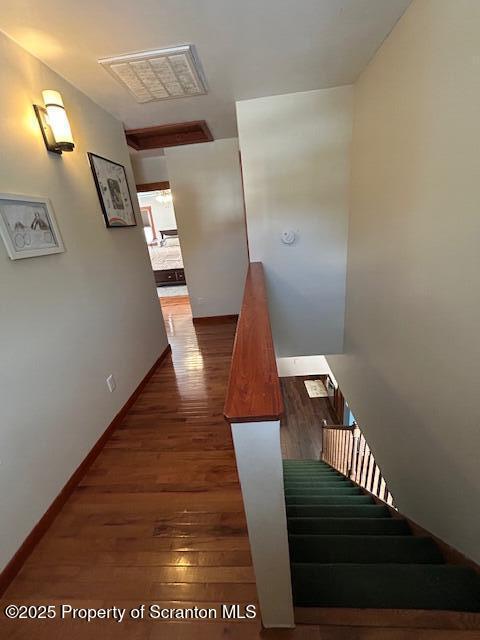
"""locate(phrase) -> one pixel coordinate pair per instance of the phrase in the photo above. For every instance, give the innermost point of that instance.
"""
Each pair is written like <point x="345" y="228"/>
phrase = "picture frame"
<point x="28" y="226"/>
<point x="113" y="192"/>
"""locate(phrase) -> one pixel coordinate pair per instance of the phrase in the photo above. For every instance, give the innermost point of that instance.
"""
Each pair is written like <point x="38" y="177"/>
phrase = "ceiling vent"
<point x="159" y="75"/>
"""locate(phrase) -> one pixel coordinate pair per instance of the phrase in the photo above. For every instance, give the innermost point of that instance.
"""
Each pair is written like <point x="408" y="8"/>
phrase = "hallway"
<point x="159" y="516"/>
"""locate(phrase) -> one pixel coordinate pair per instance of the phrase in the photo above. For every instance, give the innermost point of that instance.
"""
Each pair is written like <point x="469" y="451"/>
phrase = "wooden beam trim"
<point x="153" y="186"/>
<point x="168" y="128"/>
<point x="169" y="135"/>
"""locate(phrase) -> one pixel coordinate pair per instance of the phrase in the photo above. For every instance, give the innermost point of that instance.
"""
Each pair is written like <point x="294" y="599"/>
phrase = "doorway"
<point x="161" y="236"/>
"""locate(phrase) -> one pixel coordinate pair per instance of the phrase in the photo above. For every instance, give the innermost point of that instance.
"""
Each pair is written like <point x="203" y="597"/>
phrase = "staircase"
<point x="347" y="551"/>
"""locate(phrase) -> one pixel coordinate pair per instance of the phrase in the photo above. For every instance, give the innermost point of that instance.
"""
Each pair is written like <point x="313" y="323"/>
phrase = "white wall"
<point x="163" y="212"/>
<point x="304" y="366"/>
<point x="412" y="351"/>
<point x="206" y="185"/>
<point x="295" y="159"/>
<point x="68" y="320"/>
<point x="149" y="168"/>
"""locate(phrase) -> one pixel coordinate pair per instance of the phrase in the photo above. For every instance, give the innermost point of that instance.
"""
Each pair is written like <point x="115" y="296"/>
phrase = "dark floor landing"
<point x="301" y="430"/>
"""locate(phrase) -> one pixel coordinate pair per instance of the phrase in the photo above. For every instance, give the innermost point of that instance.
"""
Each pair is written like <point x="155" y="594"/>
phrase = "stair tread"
<point x="313" y="483"/>
<point x="309" y="467"/>
<point x="341" y="526"/>
<point x="330" y="489"/>
<point x="303" y="461"/>
<point x="334" y="511"/>
<point x="302" y="464"/>
<point x="363" y="549"/>
<point x="327" y="499"/>
<point x="311" y="474"/>
<point x="316" y="481"/>
<point x="314" y="473"/>
<point x="392" y="586"/>
<point x="324" y="477"/>
<point x="315" y="466"/>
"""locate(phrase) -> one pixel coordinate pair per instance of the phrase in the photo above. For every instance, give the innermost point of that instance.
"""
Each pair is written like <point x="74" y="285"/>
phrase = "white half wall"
<point x="410" y="371"/>
<point x="295" y="158"/>
<point x="207" y="194"/>
<point x="259" y="462"/>
<point x="68" y="320"/>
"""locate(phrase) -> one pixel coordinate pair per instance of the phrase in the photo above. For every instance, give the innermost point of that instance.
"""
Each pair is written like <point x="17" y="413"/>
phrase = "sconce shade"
<point x="58" y="120"/>
<point x="52" y="97"/>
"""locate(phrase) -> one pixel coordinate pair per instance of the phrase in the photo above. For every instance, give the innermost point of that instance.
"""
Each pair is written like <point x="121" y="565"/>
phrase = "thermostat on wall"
<point x="288" y="237"/>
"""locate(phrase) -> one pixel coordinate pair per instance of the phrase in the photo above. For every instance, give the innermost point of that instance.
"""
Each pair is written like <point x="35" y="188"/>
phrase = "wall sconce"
<point x="54" y="124"/>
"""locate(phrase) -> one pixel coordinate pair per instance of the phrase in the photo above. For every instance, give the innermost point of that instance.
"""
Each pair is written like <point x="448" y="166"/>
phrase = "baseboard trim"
<point x="207" y="319"/>
<point x="34" y="537"/>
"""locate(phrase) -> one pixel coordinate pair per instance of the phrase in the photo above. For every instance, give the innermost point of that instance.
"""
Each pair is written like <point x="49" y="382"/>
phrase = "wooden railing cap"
<point x="254" y="393"/>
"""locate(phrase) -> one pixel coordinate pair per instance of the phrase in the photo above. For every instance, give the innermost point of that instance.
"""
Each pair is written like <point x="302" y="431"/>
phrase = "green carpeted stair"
<point x="347" y="551"/>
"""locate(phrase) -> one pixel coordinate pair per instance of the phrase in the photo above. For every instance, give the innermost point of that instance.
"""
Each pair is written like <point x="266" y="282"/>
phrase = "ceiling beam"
<point x="169" y="135"/>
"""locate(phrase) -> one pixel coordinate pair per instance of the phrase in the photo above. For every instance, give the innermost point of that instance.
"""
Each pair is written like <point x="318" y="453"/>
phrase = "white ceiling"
<point x="248" y="48"/>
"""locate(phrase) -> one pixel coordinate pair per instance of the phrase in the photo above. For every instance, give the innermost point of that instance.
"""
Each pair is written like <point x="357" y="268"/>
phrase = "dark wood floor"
<point x="159" y="517"/>
<point x="301" y="430"/>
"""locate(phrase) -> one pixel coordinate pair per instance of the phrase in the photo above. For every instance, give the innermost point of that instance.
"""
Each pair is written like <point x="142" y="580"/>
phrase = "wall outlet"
<point x="111" y="384"/>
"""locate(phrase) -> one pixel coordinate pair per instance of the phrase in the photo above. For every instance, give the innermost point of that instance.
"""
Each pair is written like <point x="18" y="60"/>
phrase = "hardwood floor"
<point x="301" y="427"/>
<point x="159" y="516"/>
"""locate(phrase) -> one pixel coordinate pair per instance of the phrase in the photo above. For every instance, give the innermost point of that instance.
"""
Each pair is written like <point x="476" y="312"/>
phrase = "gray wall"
<point x="68" y="320"/>
<point x="410" y="370"/>
<point x="207" y="195"/>
<point x="295" y="158"/>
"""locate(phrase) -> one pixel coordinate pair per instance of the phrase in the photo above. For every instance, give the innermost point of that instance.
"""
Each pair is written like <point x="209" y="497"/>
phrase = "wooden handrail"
<point x="253" y="393"/>
<point x="339" y="427"/>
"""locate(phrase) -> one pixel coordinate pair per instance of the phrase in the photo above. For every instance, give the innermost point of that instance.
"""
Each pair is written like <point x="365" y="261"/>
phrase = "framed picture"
<point x="28" y="226"/>
<point x="113" y="192"/>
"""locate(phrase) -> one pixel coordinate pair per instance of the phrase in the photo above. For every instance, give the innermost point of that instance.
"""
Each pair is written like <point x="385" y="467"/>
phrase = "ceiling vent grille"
<point x="159" y="75"/>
